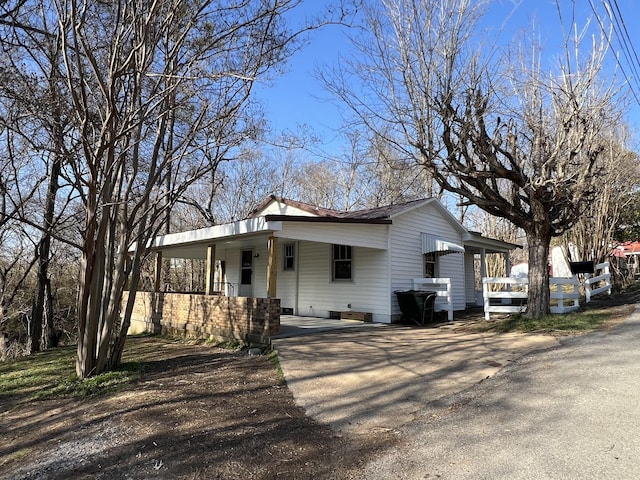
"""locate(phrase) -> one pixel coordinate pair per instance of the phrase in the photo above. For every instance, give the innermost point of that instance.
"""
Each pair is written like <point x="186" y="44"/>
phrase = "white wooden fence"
<point x="564" y="292"/>
<point x="564" y="289"/>
<point x="442" y="287"/>
<point x="603" y="279"/>
<point x="506" y="295"/>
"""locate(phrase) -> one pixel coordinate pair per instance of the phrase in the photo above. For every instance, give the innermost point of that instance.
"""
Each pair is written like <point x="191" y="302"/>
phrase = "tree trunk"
<point x="43" y="251"/>
<point x="538" y="300"/>
<point x="87" y="297"/>
<point x="49" y="336"/>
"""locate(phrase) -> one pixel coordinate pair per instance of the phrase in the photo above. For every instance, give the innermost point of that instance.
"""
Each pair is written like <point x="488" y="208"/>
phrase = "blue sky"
<point x="297" y="97"/>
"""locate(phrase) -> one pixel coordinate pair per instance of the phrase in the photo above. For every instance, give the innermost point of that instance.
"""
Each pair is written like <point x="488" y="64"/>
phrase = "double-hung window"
<point x="341" y="262"/>
<point x="289" y="262"/>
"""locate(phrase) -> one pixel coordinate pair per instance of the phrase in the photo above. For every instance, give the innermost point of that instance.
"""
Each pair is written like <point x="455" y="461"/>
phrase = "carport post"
<point x="272" y="268"/>
<point x="483" y="263"/>
<point x="211" y="271"/>
<point x="507" y="264"/>
<point x="158" y="272"/>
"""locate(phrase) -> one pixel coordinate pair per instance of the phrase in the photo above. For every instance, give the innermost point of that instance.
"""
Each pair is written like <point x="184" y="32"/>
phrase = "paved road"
<point x="571" y="412"/>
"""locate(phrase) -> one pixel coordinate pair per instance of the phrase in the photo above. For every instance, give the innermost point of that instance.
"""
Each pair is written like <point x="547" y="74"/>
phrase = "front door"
<point x="246" y="274"/>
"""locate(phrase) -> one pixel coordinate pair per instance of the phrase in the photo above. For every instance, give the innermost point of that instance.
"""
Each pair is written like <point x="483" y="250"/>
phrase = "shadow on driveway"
<point x="375" y="376"/>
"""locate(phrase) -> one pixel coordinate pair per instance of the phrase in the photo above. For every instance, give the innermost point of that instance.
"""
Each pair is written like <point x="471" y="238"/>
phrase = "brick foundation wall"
<point x="205" y="316"/>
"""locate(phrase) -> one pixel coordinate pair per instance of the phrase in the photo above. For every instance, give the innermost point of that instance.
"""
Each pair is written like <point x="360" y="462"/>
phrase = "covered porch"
<point x="251" y="266"/>
<point x="481" y="253"/>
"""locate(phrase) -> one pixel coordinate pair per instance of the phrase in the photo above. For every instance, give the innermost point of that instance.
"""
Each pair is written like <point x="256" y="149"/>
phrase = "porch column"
<point x="158" y="272"/>
<point x="507" y="264"/>
<point x="211" y="270"/>
<point x="272" y="268"/>
<point x="483" y="263"/>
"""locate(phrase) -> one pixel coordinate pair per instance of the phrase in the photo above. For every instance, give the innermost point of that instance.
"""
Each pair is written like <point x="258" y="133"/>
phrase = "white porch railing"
<point x="442" y="287"/>
<point x="604" y="276"/>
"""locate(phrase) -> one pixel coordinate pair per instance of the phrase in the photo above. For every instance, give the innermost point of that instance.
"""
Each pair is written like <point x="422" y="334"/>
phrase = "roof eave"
<point x="301" y="218"/>
<point x="217" y="232"/>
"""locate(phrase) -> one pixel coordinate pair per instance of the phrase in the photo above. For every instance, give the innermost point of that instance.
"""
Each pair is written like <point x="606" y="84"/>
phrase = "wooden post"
<point x="272" y="268"/>
<point x="211" y="270"/>
<point x="158" y="272"/>
<point x="507" y="264"/>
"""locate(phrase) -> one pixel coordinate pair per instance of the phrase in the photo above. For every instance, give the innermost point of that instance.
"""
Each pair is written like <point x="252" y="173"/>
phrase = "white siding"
<point x="260" y="270"/>
<point x="231" y="257"/>
<point x="470" y="280"/>
<point x="406" y="253"/>
<point x="276" y="208"/>
<point x="361" y="235"/>
<point x="318" y="294"/>
<point x="381" y="264"/>
<point x="311" y="282"/>
<point x="287" y="284"/>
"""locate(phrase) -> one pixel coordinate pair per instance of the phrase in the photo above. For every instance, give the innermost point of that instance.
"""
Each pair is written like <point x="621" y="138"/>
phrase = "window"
<point x="341" y="262"/>
<point x="289" y="257"/>
<point x="430" y="265"/>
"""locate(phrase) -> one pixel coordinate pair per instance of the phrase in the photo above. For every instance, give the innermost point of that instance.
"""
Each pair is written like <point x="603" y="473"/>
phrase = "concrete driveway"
<point x="570" y="412"/>
<point x="382" y="376"/>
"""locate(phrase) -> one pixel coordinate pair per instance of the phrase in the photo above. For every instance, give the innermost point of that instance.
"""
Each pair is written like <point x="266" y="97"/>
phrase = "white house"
<point x="319" y="261"/>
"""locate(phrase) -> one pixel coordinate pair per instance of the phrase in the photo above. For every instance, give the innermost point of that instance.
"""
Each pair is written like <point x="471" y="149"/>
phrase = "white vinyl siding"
<point x="354" y="234"/>
<point x="277" y="208"/>
<point x="381" y="264"/>
<point x="365" y="292"/>
<point x="287" y="282"/>
<point x="470" y="280"/>
<point x="407" y="261"/>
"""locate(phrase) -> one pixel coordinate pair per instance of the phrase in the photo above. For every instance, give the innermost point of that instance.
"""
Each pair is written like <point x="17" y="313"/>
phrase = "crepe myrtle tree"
<point x="495" y="128"/>
<point x="156" y="95"/>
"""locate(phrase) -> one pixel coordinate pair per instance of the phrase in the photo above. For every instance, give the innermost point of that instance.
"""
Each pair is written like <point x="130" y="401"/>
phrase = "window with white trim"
<point x="289" y="262"/>
<point x="341" y="262"/>
<point x="430" y="265"/>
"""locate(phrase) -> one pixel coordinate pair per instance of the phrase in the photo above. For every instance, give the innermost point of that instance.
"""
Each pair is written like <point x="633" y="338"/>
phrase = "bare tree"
<point x="161" y="94"/>
<point x="392" y="177"/>
<point x="33" y="95"/>
<point x="161" y="61"/>
<point x="512" y="137"/>
<point x="594" y="231"/>
<point x="18" y="186"/>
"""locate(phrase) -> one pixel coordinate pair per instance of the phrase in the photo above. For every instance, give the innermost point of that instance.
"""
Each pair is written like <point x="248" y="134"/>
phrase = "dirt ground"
<point x="198" y="412"/>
